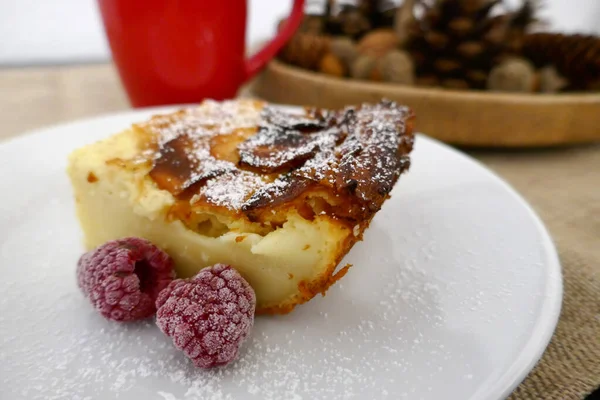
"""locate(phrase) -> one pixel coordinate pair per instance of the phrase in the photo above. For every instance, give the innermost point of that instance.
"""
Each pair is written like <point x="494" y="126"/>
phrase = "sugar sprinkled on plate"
<point x="89" y="356"/>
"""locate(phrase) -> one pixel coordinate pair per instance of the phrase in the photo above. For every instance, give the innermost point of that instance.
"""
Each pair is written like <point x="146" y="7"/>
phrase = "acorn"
<point x="330" y="64"/>
<point x="375" y="74"/>
<point x="513" y="75"/>
<point x="363" y="67"/>
<point x="397" y="66"/>
<point x="344" y="49"/>
<point x="378" y="42"/>
<point x="305" y="50"/>
<point x="551" y="81"/>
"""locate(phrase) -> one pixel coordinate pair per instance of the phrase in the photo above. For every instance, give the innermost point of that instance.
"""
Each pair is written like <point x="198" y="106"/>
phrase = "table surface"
<point x="562" y="185"/>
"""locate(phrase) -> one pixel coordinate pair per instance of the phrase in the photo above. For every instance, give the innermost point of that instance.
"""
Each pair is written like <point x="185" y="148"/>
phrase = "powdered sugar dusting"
<point x="344" y="346"/>
<point x="239" y="155"/>
<point x="230" y="190"/>
<point x="210" y="117"/>
<point x="94" y="358"/>
<point x="73" y="353"/>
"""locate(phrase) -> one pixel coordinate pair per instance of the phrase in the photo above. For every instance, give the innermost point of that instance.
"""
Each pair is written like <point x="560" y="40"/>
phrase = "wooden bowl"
<point x="467" y="118"/>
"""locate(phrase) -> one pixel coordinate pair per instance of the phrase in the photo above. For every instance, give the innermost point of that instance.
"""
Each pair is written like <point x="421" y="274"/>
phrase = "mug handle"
<point x="255" y="63"/>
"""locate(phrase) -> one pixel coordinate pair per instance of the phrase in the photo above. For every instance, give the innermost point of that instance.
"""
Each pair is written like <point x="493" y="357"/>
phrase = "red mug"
<point x="183" y="51"/>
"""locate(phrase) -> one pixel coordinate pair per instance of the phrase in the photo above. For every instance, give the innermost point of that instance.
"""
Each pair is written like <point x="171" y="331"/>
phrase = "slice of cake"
<point x="280" y="194"/>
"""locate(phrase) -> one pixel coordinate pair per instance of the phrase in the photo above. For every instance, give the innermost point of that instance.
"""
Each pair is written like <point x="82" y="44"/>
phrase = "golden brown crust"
<point x="341" y="163"/>
<point x="254" y="165"/>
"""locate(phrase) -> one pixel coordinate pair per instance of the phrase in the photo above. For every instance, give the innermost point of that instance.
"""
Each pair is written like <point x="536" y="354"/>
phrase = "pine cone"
<point x="353" y="23"/>
<point x="380" y="13"/>
<point x="427" y="81"/>
<point x="576" y="57"/>
<point x="313" y="24"/>
<point x="517" y="24"/>
<point x="305" y="50"/>
<point x="455" y="84"/>
<point x="458" y="42"/>
<point x="404" y="19"/>
<point x="387" y="17"/>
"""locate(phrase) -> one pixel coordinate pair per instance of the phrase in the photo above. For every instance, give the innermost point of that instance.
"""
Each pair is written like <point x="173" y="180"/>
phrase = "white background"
<point x="66" y="31"/>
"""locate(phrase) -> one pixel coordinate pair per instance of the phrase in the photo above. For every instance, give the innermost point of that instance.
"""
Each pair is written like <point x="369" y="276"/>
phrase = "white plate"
<point x="454" y="294"/>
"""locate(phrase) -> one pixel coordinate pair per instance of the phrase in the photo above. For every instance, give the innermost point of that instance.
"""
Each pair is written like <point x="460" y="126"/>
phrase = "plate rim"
<point x="544" y="327"/>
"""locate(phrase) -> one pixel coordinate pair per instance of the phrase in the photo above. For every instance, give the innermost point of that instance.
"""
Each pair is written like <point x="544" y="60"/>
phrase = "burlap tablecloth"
<point x="563" y="186"/>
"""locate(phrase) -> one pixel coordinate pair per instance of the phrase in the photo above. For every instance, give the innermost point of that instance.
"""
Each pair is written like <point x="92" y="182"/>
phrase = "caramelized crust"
<point x="261" y="165"/>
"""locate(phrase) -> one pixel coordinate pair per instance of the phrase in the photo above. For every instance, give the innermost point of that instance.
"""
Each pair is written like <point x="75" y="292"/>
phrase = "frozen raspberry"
<point x="208" y="316"/>
<point x="122" y="278"/>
